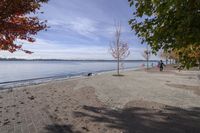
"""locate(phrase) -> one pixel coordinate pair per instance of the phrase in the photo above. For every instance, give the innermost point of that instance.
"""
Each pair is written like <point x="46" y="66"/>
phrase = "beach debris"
<point x="6" y="122"/>
<point x="17" y="114"/>
<point x="54" y="118"/>
<point x="13" y="105"/>
<point x="89" y="74"/>
<point x="85" y="128"/>
<point x="56" y="110"/>
<point x="31" y="97"/>
<point x="21" y="102"/>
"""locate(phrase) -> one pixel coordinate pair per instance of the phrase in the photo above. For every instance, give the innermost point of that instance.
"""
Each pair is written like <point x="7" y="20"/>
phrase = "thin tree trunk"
<point x="118" y="66"/>
<point x="147" y="57"/>
<point x="117" y="56"/>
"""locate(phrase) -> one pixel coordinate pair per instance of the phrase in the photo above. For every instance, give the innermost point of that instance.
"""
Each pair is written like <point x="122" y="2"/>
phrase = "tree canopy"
<point x="189" y="56"/>
<point x="167" y="24"/>
<point x="15" y="23"/>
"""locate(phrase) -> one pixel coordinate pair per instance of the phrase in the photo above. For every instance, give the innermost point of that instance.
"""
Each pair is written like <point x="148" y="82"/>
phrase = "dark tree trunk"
<point x="118" y="66"/>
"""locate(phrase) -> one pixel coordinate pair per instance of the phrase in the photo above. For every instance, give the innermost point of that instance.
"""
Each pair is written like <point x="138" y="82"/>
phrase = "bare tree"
<point x="118" y="49"/>
<point x="147" y="54"/>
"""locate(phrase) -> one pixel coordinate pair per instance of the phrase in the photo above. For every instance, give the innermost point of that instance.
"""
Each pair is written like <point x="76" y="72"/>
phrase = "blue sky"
<point x="81" y="29"/>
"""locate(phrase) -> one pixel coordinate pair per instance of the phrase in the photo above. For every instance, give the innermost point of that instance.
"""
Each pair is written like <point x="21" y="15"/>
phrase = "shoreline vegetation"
<point x="140" y="101"/>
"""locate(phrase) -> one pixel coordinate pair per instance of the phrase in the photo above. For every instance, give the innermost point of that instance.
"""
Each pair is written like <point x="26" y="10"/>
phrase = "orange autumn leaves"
<point x="189" y="54"/>
<point x="16" y="24"/>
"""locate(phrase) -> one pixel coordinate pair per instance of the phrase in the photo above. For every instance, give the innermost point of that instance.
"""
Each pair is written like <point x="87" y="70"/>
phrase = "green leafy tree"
<point x="167" y="24"/>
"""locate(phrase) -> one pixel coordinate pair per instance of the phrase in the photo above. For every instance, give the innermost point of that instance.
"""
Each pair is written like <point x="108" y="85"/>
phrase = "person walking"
<point x="161" y="65"/>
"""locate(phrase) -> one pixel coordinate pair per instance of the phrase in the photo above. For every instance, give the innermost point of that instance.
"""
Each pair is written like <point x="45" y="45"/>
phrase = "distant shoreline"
<point x="16" y="59"/>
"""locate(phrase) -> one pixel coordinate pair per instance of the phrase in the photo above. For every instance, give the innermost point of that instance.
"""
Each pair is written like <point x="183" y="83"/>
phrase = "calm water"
<point x="21" y="71"/>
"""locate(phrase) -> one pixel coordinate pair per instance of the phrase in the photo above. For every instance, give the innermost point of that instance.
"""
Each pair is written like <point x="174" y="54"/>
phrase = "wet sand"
<point x="139" y="102"/>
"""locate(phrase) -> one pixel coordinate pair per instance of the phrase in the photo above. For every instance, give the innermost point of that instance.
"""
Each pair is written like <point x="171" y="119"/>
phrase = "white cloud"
<point x="78" y="25"/>
<point x="46" y="49"/>
<point x="83" y="26"/>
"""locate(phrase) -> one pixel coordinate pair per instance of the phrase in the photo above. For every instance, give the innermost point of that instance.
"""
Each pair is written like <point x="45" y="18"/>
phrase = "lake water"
<point x="18" y="72"/>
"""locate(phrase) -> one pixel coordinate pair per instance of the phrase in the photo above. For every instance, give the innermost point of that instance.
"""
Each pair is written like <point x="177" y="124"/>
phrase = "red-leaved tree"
<point x="16" y="23"/>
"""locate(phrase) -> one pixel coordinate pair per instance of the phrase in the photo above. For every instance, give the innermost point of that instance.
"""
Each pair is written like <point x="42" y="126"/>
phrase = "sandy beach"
<point x="138" y="102"/>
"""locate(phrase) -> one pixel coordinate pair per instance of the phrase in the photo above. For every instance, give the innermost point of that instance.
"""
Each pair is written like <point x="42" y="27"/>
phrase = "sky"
<point x="81" y="29"/>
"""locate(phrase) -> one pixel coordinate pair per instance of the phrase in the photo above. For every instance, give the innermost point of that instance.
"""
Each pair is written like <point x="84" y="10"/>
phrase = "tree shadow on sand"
<point x="145" y="120"/>
<point x="56" y="128"/>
